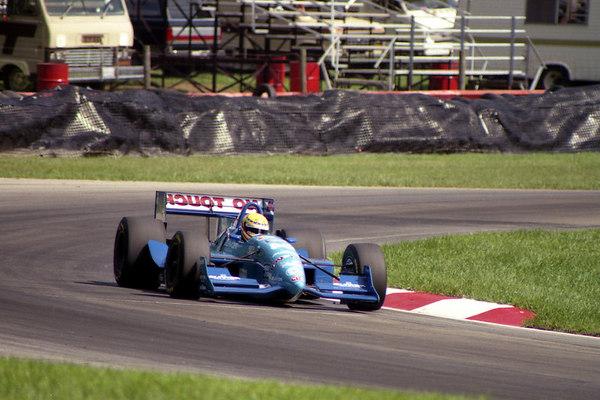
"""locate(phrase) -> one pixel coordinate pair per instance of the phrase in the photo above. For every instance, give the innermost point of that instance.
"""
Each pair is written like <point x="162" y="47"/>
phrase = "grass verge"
<point x="555" y="274"/>
<point x="526" y="171"/>
<point x="27" y="379"/>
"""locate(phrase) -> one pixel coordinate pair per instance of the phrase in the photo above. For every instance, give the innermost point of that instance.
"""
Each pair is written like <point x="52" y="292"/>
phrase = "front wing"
<point x="349" y="288"/>
<point x="217" y="281"/>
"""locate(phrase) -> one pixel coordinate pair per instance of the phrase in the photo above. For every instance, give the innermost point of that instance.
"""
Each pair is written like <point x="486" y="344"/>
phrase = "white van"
<point x="94" y="37"/>
<point x="566" y="33"/>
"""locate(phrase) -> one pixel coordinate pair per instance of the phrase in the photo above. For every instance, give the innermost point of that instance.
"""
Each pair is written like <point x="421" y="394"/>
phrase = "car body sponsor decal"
<point x="348" y="284"/>
<point x="223" y="277"/>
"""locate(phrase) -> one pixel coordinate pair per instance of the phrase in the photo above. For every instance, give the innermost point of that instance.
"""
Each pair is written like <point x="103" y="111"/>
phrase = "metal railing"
<point x="412" y="45"/>
<point x="404" y="44"/>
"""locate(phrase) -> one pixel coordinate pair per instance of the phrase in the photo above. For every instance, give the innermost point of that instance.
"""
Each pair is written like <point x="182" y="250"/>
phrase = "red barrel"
<point x="273" y="73"/>
<point x="51" y="75"/>
<point x="313" y="77"/>
<point x="444" y="82"/>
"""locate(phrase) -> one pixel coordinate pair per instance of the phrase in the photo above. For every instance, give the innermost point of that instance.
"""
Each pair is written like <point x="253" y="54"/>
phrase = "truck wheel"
<point x="264" y="89"/>
<point x="309" y="239"/>
<point x="355" y="258"/>
<point x="16" y="80"/>
<point x="133" y="265"/>
<point x="553" y="77"/>
<point x="182" y="274"/>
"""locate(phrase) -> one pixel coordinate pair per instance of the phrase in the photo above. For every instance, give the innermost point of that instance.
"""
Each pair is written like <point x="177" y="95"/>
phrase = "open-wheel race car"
<point x="229" y="255"/>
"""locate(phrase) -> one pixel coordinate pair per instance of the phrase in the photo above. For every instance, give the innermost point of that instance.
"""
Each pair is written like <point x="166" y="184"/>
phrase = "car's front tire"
<point x="182" y="274"/>
<point x="355" y="258"/>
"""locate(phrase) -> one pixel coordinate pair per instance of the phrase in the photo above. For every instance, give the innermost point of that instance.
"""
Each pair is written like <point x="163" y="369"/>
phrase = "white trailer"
<point x="566" y="33"/>
<point x="94" y="37"/>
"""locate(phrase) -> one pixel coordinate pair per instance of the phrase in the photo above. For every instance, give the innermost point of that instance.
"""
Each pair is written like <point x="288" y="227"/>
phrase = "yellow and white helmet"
<point x="254" y="224"/>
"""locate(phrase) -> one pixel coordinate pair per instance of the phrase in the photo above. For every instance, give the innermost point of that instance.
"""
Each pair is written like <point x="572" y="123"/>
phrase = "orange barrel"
<point x="444" y="82"/>
<point x="51" y="75"/>
<point x="273" y="73"/>
<point x="313" y="77"/>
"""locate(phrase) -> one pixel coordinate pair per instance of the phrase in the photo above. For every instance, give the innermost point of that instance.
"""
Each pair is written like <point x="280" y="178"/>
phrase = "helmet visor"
<point x="256" y="231"/>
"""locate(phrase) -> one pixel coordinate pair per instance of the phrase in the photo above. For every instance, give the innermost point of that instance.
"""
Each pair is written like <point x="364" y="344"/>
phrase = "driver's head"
<point x="254" y="224"/>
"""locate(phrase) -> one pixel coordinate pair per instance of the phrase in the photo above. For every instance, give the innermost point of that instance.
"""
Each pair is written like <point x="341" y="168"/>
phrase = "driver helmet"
<point x="254" y="224"/>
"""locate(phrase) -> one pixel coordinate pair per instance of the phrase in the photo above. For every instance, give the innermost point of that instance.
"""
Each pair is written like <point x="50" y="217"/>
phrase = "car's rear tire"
<point x="132" y="264"/>
<point x="309" y="239"/>
<point x="182" y="274"/>
<point x="355" y="258"/>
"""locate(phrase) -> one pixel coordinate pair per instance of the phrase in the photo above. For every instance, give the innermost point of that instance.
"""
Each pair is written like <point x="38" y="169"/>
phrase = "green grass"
<point x="532" y="170"/>
<point x="555" y="274"/>
<point x="26" y="379"/>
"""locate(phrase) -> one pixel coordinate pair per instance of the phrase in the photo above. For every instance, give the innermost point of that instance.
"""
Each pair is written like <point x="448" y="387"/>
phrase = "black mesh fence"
<point x="89" y="122"/>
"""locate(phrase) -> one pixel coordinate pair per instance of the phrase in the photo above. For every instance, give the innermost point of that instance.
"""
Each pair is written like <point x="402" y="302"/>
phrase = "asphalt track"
<point x="58" y="299"/>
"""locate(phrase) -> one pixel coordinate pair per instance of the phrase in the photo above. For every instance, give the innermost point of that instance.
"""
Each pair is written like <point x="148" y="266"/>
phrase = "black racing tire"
<point x="264" y="89"/>
<point x="182" y="274"/>
<point x="132" y="264"/>
<point x="309" y="239"/>
<point x="355" y="258"/>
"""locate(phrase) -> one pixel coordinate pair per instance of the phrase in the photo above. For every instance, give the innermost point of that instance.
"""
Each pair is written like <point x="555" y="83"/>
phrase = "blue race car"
<point x="236" y="252"/>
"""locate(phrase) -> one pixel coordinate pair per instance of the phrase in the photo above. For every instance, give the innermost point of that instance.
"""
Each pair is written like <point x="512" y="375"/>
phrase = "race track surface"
<point x="58" y="299"/>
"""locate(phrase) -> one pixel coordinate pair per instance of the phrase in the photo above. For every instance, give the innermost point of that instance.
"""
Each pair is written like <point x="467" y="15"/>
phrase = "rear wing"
<point x="207" y="205"/>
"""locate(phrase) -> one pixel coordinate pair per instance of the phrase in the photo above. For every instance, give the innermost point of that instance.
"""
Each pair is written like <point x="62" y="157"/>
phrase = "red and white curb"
<point x="455" y="308"/>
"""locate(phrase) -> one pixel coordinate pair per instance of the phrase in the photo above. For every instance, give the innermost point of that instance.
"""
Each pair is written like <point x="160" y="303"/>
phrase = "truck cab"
<point x="175" y="28"/>
<point x="94" y="37"/>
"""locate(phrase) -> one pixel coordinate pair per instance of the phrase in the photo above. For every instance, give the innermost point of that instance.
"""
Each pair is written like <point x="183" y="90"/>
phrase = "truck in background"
<point x="94" y="37"/>
<point x="566" y="34"/>
<point x="175" y="28"/>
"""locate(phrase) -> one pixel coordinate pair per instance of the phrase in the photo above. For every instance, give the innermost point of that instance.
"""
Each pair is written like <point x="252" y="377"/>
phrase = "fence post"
<point x="392" y="66"/>
<point x="511" y="71"/>
<point x="411" y="54"/>
<point x="527" y="59"/>
<point x="147" y="67"/>
<point x="332" y="33"/>
<point x="303" y="82"/>
<point x="189" y="25"/>
<point x="215" y="48"/>
<point x="253" y="16"/>
<point x="462" y="84"/>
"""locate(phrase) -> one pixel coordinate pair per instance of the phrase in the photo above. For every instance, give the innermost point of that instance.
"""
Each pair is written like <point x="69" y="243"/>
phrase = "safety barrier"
<point x="88" y="121"/>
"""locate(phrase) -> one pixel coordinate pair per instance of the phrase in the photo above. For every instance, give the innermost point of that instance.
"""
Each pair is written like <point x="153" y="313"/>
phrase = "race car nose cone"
<point x="300" y="283"/>
<point x="295" y="279"/>
<point x="295" y="288"/>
